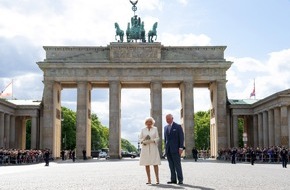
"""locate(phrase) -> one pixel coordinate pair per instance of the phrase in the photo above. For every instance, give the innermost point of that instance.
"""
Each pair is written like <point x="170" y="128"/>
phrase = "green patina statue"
<point x="119" y="32"/>
<point x="135" y="29"/>
<point x="152" y="33"/>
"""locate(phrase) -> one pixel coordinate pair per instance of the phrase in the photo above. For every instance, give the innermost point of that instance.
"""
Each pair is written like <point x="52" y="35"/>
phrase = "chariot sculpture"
<point x="135" y="29"/>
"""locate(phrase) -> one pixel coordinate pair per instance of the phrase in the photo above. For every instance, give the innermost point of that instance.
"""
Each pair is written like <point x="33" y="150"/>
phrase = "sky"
<point x="256" y="33"/>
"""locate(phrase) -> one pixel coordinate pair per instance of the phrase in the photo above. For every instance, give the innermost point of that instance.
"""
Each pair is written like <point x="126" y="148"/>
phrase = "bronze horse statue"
<point x="152" y="33"/>
<point x="119" y="32"/>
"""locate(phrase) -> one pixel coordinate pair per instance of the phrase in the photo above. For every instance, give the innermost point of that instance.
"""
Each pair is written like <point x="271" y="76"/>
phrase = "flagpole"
<point x="255" y="88"/>
<point x="12" y="90"/>
<point x="253" y="93"/>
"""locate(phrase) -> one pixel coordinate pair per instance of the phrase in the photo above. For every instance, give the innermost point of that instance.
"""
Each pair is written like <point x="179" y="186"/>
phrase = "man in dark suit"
<point x="46" y="157"/>
<point x="174" y="138"/>
<point x="284" y="157"/>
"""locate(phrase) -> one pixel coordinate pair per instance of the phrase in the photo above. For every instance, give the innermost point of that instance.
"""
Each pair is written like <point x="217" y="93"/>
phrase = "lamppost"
<point x="138" y="148"/>
<point x="64" y="138"/>
<point x="245" y="139"/>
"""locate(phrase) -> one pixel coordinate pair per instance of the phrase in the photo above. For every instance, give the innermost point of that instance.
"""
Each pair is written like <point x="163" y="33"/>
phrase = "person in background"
<point x="194" y="153"/>
<point x="149" y="155"/>
<point x="234" y="153"/>
<point x="46" y="157"/>
<point x="73" y="155"/>
<point x="284" y="157"/>
<point x="62" y="154"/>
<point x="252" y="156"/>
<point x="174" y="146"/>
<point x="84" y="154"/>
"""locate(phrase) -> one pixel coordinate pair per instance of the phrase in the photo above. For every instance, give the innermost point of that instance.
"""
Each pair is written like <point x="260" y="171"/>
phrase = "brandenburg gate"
<point x="132" y="65"/>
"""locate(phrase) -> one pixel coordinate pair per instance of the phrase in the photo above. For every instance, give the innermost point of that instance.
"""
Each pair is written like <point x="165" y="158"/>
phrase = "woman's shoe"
<point x="148" y="183"/>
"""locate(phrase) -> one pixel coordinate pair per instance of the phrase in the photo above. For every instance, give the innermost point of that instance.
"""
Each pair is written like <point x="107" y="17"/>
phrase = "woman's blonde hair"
<point x="150" y="119"/>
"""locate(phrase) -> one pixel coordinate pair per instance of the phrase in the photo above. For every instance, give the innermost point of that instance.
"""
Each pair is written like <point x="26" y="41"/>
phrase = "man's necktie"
<point x="168" y="129"/>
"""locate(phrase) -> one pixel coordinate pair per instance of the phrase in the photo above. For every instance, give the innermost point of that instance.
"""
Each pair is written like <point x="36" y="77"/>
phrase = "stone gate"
<point x="132" y="65"/>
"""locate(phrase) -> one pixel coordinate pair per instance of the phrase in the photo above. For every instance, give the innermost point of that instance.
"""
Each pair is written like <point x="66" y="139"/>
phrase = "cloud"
<point x="270" y="76"/>
<point x="184" y="39"/>
<point x="183" y="2"/>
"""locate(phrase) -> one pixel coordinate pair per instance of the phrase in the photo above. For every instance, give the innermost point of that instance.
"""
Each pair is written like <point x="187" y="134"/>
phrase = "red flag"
<point x="253" y="92"/>
<point x="7" y="91"/>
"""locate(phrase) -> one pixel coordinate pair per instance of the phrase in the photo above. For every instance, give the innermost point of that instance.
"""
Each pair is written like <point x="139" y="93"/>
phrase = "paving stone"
<point x="127" y="174"/>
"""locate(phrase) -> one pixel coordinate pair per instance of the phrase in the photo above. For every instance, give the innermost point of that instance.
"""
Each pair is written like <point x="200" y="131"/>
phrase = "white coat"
<point x="149" y="153"/>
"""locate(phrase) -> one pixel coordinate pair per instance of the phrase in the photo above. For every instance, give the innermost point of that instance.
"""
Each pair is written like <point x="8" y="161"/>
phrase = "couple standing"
<point x="173" y="137"/>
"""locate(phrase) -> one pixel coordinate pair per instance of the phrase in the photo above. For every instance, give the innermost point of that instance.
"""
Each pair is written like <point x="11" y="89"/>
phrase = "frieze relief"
<point x="135" y="54"/>
<point x="133" y="72"/>
<point x="193" y="53"/>
<point x="76" y="53"/>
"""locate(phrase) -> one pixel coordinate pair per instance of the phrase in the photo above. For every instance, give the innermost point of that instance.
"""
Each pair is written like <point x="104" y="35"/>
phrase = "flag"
<point x="7" y="91"/>
<point x="253" y="92"/>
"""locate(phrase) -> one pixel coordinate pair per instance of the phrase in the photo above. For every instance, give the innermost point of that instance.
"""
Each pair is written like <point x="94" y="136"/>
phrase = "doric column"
<point x="156" y="108"/>
<point x="1" y="129"/>
<point x="12" y="132"/>
<point x="23" y="134"/>
<point x="235" y="131"/>
<point x="83" y="131"/>
<point x="48" y="115"/>
<point x="115" y="119"/>
<point x="284" y="126"/>
<point x="271" y="127"/>
<point x="260" y="130"/>
<point x="187" y="115"/>
<point x="33" y="132"/>
<point x="229" y="128"/>
<point x="6" y="131"/>
<point x="255" y="130"/>
<point x="265" y="129"/>
<point x="218" y="116"/>
<point x="277" y="126"/>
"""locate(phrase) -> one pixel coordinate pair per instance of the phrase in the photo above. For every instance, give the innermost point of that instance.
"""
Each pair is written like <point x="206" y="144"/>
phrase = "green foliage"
<point x="68" y="129"/>
<point x="100" y="134"/>
<point x="28" y="135"/>
<point x="240" y="131"/>
<point x="202" y="130"/>
<point x="127" y="146"/>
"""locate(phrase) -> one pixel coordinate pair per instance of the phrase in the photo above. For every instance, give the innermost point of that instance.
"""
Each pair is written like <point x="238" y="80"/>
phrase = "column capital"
<point x="48" y="82"/>
<point x="114" y="82"/>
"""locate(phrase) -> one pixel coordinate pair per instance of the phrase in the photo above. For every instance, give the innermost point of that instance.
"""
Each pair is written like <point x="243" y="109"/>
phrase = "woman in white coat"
<point x="149" y="138"/>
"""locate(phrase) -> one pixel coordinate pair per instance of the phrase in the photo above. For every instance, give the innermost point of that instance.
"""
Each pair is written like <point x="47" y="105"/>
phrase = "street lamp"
<point x="245" y="139"/>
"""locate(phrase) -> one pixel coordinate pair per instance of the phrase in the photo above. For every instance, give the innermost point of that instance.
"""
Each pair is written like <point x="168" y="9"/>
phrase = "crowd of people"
<point x="17" y="156"/>
<point x="246" y="154"/>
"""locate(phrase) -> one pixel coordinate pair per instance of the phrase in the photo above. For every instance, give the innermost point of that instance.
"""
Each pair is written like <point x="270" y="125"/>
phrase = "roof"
<point x="242" y="101"/>
<point x="25" y="102"/>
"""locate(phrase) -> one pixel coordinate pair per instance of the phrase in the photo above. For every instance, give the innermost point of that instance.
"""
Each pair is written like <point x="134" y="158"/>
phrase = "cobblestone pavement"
<point x="127" y="174"/>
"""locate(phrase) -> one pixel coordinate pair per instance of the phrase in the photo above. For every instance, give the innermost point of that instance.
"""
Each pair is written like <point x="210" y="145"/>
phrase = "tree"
<point x="127" y="146"/>
<point x="202" y="130"/>
<point x="28" y="135"/>
<point x="240" y="131"/>
<point x="68" y="128"/>
<point x="100" y="134"/>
